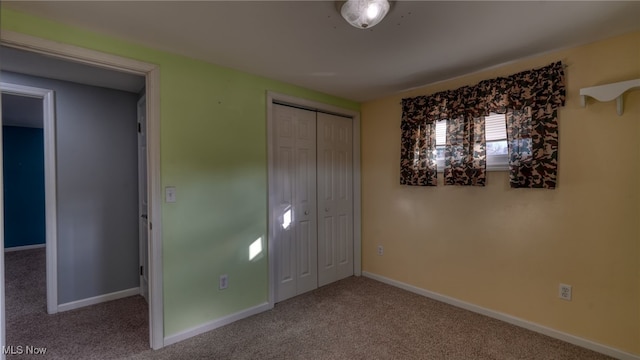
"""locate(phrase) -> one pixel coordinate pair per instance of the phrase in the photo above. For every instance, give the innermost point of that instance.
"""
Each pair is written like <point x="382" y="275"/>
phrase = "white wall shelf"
<point x="609" y="92"/>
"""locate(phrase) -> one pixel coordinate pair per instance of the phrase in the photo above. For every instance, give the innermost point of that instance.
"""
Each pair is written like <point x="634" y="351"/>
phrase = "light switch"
<point x="170" y="194"/>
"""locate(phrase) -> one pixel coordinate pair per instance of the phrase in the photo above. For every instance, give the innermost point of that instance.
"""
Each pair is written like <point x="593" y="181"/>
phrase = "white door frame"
<point x="48" y="129"/>
<point x="152" y="75"/>
<point x="357" y="211"/>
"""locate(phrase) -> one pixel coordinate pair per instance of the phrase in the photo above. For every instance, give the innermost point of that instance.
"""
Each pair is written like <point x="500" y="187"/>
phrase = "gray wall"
<point x="97" y="187"/>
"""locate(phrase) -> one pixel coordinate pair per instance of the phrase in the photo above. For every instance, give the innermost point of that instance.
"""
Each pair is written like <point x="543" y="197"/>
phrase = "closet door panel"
<point x="335" y="198"/>
<point x="295" y="185"/>
<point x="305" y="203"/>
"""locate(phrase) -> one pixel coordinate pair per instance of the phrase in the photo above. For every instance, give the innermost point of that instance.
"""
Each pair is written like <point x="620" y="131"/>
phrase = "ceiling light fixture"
<point x="363" y="14"/>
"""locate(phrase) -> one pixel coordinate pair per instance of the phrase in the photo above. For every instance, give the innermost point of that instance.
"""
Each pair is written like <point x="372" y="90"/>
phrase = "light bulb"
<point x="364" y="14"/>
<point x="372" y="11"/>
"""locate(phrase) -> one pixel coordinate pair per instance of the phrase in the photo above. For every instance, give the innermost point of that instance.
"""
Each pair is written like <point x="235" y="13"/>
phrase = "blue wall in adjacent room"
<point x="23" y="170"/>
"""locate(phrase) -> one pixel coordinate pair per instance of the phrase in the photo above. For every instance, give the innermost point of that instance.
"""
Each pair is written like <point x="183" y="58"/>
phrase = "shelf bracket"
<point x="609" y="92"/>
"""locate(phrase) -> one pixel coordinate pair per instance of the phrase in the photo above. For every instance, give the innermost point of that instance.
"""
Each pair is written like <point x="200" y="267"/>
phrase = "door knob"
<point x="326" y="209"/>
<point x="306" y="212"/>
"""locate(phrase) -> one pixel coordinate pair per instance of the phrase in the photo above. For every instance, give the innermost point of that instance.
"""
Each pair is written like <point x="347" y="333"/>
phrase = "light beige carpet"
<point x="356" y="318"/>
<point x="109" y="330"/>
<point x="360" y="318"/>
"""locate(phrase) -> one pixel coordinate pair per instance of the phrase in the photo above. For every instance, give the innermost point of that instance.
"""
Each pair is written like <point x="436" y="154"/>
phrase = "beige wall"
<point x="508" y="249"/>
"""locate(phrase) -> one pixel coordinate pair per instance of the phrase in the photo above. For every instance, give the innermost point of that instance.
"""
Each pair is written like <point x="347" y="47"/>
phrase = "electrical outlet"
<point x="224" y="282"/>
<point x="564" y="292"/>
<point x="380" y="250"/>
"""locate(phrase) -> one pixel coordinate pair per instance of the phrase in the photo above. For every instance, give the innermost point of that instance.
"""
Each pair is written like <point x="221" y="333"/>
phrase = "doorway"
<point x="46" y="97"/>
<point x="327" y="247"/>
<point x="151" y="74"/>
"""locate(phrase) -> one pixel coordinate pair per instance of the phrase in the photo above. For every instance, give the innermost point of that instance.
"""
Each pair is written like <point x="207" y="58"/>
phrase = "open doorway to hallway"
<point x="97" y="250"/>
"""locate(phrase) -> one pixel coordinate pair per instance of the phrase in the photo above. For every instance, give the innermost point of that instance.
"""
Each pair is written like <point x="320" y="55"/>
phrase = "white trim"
<point x="271" y="249"/>
<point x="357" y="198"/>
<point x="3" y="333"/>
<point x="51" y="202"/>
<point x="572" y="339"/>
<point x="24" y="247"/>
<point x="49" y="144"/>
<point x="74" y="53"/>
<point x="154" y="189"/>
<point x="152" y="73"/>
<point x="212" y="325"/>
<point x="357" y="202"/>
<point x="498" y="163"/>
<point x="98" y="299"/>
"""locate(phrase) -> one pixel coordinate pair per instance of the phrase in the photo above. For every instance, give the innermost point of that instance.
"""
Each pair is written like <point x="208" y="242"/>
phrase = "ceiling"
<point x="21" y="111"/>
<point x="307" y="43"/>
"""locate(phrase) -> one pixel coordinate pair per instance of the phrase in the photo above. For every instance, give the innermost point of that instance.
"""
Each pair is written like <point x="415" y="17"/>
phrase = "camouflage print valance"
<point x="533" y="88"/>
<point x="530" y="99"/>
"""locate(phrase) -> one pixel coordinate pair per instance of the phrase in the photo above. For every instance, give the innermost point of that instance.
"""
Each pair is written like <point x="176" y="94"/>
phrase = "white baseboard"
<point x="24" y="247"/>
<point x="572" y="339"/>
<point x="211" y="325"/>
<point x="98" y="299"/>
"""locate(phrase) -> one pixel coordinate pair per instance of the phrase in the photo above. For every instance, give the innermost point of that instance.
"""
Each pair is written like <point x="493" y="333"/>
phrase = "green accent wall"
<point x="213" y="149"/>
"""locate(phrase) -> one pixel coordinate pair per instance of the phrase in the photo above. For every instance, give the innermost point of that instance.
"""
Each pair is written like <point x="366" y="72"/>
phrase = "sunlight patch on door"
<point x="286" y="219"/>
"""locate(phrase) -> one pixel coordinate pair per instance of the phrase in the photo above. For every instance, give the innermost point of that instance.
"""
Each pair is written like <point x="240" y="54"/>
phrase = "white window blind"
<point x="495" y="136"/>
<point x="441" y="133"/>
<point x="494" y="126"/>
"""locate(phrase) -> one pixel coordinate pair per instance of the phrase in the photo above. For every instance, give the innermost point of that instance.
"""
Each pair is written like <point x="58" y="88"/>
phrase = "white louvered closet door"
<point x="335" y="198"/>
<point x="296" y="211"/>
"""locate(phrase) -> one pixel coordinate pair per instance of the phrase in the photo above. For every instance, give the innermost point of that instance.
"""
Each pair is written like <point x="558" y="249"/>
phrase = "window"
<point x="495" y="136"/>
